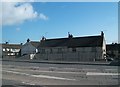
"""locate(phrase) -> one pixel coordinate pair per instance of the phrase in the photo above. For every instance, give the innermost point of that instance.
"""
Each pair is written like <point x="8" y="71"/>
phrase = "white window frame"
<point x="7" y="49"/>
<point x="3" y="49"/>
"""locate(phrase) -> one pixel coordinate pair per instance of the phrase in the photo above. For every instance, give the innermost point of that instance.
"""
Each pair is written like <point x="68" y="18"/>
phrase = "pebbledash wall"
<point x="66" y="54"/>
<point x="70" y="54"/>
<point x="28" y="48"/>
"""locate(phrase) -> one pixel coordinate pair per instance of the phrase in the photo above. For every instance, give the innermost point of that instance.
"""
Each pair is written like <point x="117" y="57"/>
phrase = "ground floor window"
<point x="59" y="50"/>
<point x="43" y="50"/>
<point x="73" y="49"/>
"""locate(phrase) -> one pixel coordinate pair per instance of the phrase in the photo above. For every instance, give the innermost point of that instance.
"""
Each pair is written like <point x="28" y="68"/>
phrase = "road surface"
<point x="23" y="73"/>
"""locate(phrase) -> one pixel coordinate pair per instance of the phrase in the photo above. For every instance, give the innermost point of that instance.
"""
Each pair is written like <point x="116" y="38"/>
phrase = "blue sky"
<point x="55" y="20"/>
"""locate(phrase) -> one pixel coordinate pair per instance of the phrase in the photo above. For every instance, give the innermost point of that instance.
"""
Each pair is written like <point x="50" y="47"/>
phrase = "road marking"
<point x="47" y="71"/>
<point x="17" y="72"/>
<point x="88" y="69"/>
<point x="27" y="83"/>
<point x="112" y="69"/>
<point x="97" y="73"/>
<point x="51" y="77"/>
<point x="60" y="72"/>
<point x="41" y="76"/>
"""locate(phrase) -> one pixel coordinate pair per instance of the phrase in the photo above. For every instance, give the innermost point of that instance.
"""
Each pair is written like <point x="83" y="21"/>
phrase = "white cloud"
<point x="42" y="16"/>
<point x="15" y="13"/>
<point x="18" y="0"/>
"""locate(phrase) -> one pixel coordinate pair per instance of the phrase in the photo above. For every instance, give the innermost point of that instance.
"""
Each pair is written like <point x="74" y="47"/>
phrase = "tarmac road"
<point x="42" y="74"/>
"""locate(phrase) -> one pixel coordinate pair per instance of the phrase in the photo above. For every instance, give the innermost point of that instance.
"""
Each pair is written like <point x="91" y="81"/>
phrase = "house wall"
<point x="68" y="54"/>
<point x="0" y="51"/>
<point x="10" y="52"/>
<point x="27" y="48"/>
<point x="104" y="49"/>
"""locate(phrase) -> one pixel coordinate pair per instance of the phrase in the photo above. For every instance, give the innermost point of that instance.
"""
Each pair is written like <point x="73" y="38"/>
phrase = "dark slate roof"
<point x="87" y="41"/>
<point x="35" y="43"/>
<point x="14" y="46"/>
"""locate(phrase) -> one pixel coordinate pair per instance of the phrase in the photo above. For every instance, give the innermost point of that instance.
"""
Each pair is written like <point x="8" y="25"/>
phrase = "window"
<point x="51" y="51"/>
<point x="8" y="49"/>
<point x="15" y="50"/>
<point x="11" y="50"/>
<point x="43" y="50"/>
<point x="93" y="49"/>
<point x="73" y="49"/>
<point x="8" y="54"/>
<point x="36" y="50"/>
<point x="59" y="50"/>
<point x="4" y="49"/>
<point x="12" y="53"/>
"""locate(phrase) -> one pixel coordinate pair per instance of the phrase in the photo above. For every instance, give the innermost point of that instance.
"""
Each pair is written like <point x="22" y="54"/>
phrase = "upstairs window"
<point x="3" y="49"/>
<point x="73" y="49"/>
<point x="8" y="49"/>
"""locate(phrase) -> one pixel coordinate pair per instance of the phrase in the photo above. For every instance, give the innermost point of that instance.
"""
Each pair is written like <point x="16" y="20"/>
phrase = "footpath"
<point x="55" y="62"/>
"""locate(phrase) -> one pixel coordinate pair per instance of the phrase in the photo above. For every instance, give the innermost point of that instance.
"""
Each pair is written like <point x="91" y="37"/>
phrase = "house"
<point x="113" y="50"/>
<point x="88" y="48"/>
<point x="30" y="47"/>
<point x="10" y="50"/>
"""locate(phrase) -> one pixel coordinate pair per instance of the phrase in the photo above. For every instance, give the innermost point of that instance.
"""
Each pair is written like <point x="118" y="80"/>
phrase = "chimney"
<point x="70" y="35"/>
<point x="102" y="34"/>
<point x="6" y="42"/>
<point x="21" y="43"/>
<point x="43" y="38"/>
<point x="28" y="40"/>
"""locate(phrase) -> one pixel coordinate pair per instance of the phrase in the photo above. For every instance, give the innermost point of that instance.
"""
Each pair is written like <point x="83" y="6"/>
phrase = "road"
<point x="23" y="73"/>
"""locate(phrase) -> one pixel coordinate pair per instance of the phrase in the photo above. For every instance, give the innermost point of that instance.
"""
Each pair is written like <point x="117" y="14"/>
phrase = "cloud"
<point x="16" y="13"/>
<point x="18" y="0"/>
<point x="42" y="16"/>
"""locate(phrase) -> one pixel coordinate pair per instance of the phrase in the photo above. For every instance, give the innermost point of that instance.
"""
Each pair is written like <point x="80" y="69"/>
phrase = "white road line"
<point x="16" y="72"/>
<point x="88" y="69"/>
<point x="51" y="77"/>
<point x="97" y="73"/>
<point x="60" y="72"/>
<point x="41" y="76"/>
<point x="48" y="71"/>
<point x="112" y="69"/>
<point x="27" y="83"/>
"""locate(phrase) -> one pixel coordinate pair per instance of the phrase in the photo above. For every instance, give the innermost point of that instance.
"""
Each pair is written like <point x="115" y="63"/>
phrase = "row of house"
<point x="10" y="50"/>
<point x="87" y="48"/>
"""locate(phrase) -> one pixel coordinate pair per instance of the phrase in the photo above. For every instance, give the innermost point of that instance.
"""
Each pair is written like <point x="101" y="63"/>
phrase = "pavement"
<point x="57" y="62"/>
<point x="55" y="75"/>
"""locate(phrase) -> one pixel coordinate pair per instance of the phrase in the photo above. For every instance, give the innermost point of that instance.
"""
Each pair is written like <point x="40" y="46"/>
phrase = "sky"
<point x="33" y="20"/>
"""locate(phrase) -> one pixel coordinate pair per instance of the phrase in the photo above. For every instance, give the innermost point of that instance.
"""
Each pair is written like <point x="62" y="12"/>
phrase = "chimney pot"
<point x="28" y="40"/>
<point x="6" y="42"/>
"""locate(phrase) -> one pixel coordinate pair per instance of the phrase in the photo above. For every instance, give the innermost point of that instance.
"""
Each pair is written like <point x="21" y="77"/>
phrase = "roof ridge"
<point x="74" y="37"/>
<point x="34" y="41"/>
